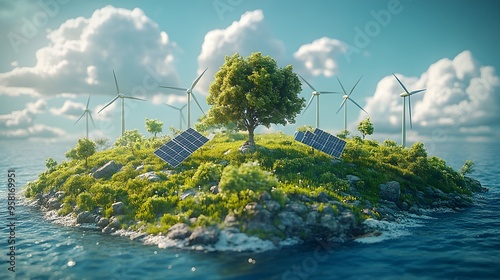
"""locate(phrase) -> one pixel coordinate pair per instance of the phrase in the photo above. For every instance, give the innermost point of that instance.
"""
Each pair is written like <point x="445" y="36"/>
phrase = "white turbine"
<point x="344" y="102"/>
<point x="189" y="92"/>
<point x="88" y="113"/>
<point x="181" y="118"/>
<point x="316" y="94"/>
<point x="122" y="96"/>
<point x="404" y="95"/>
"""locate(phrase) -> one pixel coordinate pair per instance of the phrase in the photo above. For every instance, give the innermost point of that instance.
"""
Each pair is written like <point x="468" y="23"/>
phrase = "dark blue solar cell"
<point x="181" y="147"/>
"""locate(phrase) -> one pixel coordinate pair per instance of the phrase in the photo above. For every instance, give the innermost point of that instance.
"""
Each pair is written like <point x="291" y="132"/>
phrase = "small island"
<point x="245" y="186"/>
<point x="282" y="190"/>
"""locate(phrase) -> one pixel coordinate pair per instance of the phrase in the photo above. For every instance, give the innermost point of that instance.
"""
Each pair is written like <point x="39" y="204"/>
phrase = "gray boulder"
<point x="179" y="231"/>
<point x="150" y="176"/>
<point x="107" y="170"/>
<point x="204" y="236"/>
<point x="246" y="148"/>
<point x="390" y="191"/>
<point x="328" y="221"/>
<point x="297" y="208"/>
<point x="118" y="208"/>
<point x="231" y="221"/>
<point x="289" y="221"/>
<point x="103" y="222"/>
<point x="85" y="217"/>
<point x="112" y="226"/>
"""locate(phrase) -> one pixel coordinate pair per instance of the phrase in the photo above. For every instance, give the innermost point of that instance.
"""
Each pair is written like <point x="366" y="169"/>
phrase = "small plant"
<point x="467" y="168"/>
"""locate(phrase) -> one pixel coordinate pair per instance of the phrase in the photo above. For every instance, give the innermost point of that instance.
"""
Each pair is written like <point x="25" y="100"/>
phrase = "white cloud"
<point x="461" y="99"/>
<point x="82" y="52"/>
<point x="23" y="118"/>
<point x="35" y="131"/>
<point x="249" y="34"/>
<point x="319" y="57"/>
<point x="70" y="109"/>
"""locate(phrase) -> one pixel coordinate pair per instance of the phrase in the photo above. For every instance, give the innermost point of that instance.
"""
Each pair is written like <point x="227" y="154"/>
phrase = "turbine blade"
<point x="131" y="97"/>
<point x="172" y="106"/>
<point x="80" y="117"/>
<point x="177" y="88"/>
<point x="341" y="105"/>
<point x="342" y="86"/>
<point x="197" y="79"/>
<point x="307" y="83"/>
<point x="88" y="101"/>
<point x="308" y="104"/>
<point x="90" y="115"/>
<point x="327" y="92"/>
<point x="355" y="86"/>
<point x="409" y="109"/>
<point x="417" y="91"/>
<point x="199" y="106"/>
<point x="109" y="103"/>
<point x="357" y="105"/>
<point x="401" y="83"/>
<point x="183" y="119"/>
<point x="116" y="83"/>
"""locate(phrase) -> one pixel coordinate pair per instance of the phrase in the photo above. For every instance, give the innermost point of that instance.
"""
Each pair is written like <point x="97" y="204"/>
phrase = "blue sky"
<point x="55" y="53"/>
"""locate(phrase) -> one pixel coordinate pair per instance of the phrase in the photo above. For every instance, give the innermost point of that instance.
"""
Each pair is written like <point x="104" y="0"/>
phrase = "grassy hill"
<point x="281" y="171"/>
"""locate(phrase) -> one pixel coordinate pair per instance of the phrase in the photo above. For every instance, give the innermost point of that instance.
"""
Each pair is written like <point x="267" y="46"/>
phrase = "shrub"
<point x="207" y="173"/>
<point x="84" y="202"/>
<point x="247" y="176"/>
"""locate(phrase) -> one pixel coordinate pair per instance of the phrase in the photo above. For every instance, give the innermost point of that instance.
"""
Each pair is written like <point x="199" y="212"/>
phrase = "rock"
<point x="252" y="207"/>
<point x="323" y="197"/>
<point x="312" y="218"/>
<point x="415" y="210"/>
<point x="353" y="180"/>
<point x="214" y="189"/>
<point x="296" y="207"/>
<point x="59" y="194"/>
<point x="390" y="191"/>
<point x="204" y="236"/>
<point x="272" y="205"/>
<point x="328" y="221"/>
<point x="246" y="148"/>
<point x="264" y="196"/>
<point x="262" y="216"/>
<point x="85" y="217"/>
<point x="103" y="222"/>
<point x="231" y="221"/>
<point x="53" y="203"/>
<point x="107" y="170"/>
<point x="151" y="176"/>
<point x="112" y="226"/>
<point x="139" y="168"/>
<point x="179" y="231"/>
<point x="289" y="221"/>
<point x="117" y="208"/>
<point x="348" y="219"/>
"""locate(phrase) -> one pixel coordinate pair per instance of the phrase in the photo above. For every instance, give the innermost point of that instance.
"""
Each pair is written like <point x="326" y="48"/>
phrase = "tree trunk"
<point x="251" y="139"/>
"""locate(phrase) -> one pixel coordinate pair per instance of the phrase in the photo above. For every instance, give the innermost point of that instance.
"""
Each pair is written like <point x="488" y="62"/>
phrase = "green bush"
<point x="206" y="174"/>
<point x="249" y="176"/>
<point x="154" y="207"/>
<point x="84" y="202"/>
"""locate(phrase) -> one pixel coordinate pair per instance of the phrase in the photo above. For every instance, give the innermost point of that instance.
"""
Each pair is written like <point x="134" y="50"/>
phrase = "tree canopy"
<point x="254" y="91"/>
<point x="154" y="126"/>
<point x="365" y="127"/>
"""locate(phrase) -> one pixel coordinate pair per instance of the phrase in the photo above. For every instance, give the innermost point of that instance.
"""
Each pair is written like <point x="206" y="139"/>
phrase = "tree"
<point x="130" y="138"/>
<point x="154" y="126"/>
<point x="253" y="91"/>
<point x="84" y="149"/>
<point x="467" y="168"/>
<point x="101" y="143"/>
<point x="365" y="127"/>
<point x="51" y="164"/>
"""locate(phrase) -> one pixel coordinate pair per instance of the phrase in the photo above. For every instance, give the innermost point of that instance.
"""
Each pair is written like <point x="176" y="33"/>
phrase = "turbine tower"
<point x="123" y="97"/>
<point x="344" y="102"/>
<point x="404" y="95"/>
<point x="316" y="94"/>
<point x="189" y="92"/>
<point x="181" y="118"/>
<point x="88" y="113"/>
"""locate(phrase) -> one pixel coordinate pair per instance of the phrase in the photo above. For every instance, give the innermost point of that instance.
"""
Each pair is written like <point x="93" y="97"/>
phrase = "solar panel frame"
<point x="178" y="149"/>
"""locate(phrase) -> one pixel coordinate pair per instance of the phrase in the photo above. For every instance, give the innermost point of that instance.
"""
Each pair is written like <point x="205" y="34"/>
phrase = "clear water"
<point x="444" y="245"/>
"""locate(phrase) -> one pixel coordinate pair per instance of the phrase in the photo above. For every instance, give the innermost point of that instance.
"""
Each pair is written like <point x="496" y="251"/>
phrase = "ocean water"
<point x="437" y="245"/>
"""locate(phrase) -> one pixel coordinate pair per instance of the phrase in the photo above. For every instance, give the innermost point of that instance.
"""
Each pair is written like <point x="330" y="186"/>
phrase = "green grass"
<point x="280" y="165"/>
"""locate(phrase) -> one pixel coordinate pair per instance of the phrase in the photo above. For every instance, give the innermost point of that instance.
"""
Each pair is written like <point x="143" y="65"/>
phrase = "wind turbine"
<point x="181" y="118"/>
<point x="404" y="95"/>
<point x="344" y="102"/>
<point x="316" y="94"/>
<point x="88" y="113"/>
<point x="189" y="92"/>
<point x="123" y="97"/>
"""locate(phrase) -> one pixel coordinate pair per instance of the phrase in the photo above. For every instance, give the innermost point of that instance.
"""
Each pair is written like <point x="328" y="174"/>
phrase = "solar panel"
<point x="322" y="141"/>
<point x="175" y="151"/>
